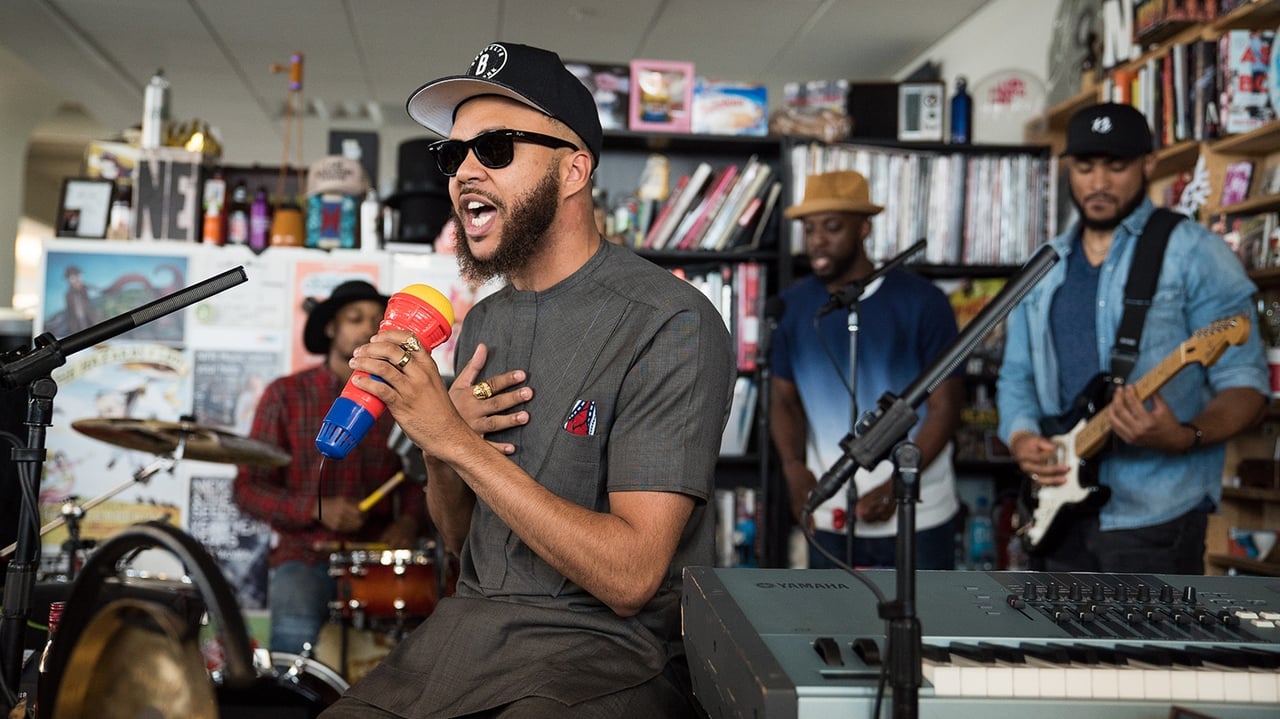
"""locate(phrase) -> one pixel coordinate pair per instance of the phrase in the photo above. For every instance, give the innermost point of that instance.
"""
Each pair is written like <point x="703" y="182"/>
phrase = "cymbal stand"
<point x="72" y="513"/>
<point x="163" y="463"/>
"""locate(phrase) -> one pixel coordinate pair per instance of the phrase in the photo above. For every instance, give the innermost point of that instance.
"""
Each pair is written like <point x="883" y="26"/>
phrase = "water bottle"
<point x="961" y="113"/>
<point x="155" y="110"/>
<point x="982" y="551"/>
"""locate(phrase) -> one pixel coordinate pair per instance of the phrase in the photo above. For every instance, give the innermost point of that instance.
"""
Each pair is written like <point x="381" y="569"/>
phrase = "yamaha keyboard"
<point x="808" y="644"/>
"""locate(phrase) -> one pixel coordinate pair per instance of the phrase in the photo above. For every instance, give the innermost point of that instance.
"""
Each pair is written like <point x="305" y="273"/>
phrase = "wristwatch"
<point x="1199" y="436"/>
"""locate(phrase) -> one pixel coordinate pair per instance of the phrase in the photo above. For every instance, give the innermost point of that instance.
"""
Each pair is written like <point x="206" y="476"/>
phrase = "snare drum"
<point x="294" y="686"/>
<point x="388" y="584"/>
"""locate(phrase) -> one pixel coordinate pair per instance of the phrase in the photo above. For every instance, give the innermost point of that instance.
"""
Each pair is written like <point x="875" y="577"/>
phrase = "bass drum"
<point x="296" y="688"/>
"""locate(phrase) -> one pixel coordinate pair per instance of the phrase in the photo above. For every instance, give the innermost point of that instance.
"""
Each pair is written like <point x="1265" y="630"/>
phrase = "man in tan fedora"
<point x="904" y="322"/>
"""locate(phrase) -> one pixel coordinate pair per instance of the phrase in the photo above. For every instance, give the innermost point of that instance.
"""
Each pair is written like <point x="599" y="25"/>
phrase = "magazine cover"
<point x="1245" y="65"/>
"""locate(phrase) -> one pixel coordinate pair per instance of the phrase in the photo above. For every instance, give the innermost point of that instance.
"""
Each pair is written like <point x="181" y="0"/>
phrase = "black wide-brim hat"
<point x="313" y="334"/>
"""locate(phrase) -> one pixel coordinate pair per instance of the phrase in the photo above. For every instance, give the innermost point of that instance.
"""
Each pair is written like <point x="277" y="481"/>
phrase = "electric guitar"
<point x="1082" y="432"/>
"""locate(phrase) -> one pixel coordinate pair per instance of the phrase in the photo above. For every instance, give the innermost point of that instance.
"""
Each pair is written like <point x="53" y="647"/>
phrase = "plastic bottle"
<point x="120" y="220"/>
<point x="238" y="215"/>
<point x="961" y="113"/>
<point x="215" y="204"/>
<point x="44" y="684"/>
<point x="370" y="219"/>
<point x="982" y="551"/>
<point x="155" y="110"/>
<point x="259" y="221"/>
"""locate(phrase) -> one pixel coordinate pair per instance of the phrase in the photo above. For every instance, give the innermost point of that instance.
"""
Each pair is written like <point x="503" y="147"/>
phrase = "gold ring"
<point x="481" y="390"/>
<point x="411" y="345"/>
<point x="404" y="360"/>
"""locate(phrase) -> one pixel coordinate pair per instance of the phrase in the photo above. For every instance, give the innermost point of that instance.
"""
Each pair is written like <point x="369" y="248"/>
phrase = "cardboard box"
<point x="167" y="195"/>
<point x="730" y="108"/>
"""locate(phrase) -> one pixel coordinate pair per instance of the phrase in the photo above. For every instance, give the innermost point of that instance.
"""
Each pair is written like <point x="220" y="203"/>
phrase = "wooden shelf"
<point x="1251" y="494"/>
<point x="1176" y="158"/>
<point x="1253" y="205"/>
<point x="1244" y="564"/>
<point x="1264" y="278"/>
<point x="1250" y="16"/>
<point x="1263" y="139"/>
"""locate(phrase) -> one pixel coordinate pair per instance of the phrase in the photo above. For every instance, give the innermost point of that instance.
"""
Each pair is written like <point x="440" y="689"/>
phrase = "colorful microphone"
<point x="420" y="309"/>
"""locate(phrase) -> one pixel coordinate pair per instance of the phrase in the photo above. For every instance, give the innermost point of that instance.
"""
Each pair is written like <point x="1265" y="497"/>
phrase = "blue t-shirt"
<point x="904" y="323"/>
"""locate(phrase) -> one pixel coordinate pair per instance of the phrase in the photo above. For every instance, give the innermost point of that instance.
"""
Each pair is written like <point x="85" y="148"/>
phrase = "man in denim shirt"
<point x="1164" y="470"/>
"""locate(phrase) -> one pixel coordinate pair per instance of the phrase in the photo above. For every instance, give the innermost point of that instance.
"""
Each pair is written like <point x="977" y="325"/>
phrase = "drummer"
<point x="310" y="514"/>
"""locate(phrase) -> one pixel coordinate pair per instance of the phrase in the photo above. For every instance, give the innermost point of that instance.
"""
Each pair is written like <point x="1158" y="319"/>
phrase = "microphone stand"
<point x="851" y="297"/>
<point x="33" y="367"/>
<point x="880" y="430"/>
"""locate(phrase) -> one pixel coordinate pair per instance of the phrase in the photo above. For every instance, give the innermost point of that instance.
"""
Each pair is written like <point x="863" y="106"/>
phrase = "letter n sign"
<point x="167" y="192"/>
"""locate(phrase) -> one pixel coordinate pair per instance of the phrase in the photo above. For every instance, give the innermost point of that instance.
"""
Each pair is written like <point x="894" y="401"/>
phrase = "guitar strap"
<point x="1148" y="255"/>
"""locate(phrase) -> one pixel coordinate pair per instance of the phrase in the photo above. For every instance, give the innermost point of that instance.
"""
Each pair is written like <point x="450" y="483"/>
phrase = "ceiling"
<point x="364" y="57"/>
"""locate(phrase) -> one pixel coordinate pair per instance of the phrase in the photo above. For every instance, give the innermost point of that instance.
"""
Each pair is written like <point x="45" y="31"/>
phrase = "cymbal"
<point x="204" y="444"/>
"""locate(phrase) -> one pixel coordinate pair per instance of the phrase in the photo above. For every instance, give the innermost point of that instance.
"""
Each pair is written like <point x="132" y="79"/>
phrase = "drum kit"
<point x="383" y="592"/>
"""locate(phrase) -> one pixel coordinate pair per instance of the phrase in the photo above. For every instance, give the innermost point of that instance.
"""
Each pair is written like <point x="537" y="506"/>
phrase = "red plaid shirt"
<point x="288" y="416"/>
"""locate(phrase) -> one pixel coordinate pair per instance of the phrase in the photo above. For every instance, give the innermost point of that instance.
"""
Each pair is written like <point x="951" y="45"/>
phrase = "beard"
<point x="524" y="231"/>
<point x="1110" y="223"/>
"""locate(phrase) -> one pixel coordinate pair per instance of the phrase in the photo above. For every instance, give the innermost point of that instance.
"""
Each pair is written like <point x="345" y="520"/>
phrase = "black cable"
<point x="875" y="591"/>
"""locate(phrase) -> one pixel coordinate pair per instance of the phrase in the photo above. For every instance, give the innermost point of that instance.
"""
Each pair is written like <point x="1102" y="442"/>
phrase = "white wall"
<point x="1003" y="35"/>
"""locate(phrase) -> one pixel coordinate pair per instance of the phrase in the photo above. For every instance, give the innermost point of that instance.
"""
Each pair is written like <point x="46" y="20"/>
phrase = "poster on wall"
<point x="113" y="380"/>
<point x="238" y="543"/>
<point x="313" y="282"/>
<point x="83" y="289"/>
<point x="228" y="384"/>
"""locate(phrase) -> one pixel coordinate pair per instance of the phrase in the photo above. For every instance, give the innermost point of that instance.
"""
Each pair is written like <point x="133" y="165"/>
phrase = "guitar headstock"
<point x="1209" y="342"/>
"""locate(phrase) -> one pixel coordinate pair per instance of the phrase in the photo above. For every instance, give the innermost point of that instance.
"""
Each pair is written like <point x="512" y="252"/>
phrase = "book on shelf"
<point x="1245" y="103"/>
<point x="748" y="231"/>
<point x="752" y="186"/>
<point x="717" y="233"/>
<point x="707" y="210"/>
<point x="677" y="206"/>
<point x="748" y="292"/>
<point x="1235" y="183"/>
<point x="742" y="417"/>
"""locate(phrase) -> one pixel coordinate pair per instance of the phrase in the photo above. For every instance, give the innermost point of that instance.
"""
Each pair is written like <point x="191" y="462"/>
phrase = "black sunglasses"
<point x="494" y="149"/>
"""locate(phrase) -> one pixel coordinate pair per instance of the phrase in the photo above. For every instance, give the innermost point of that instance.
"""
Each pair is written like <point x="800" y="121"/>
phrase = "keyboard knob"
<point x="1144" y="593"/>
<point x="1030" y="592"/>
<point x="1075" y="594"/>
<point x="1166" y="594"/>
<point x="1189" y="594"/>
<point x="1015" y="601"/>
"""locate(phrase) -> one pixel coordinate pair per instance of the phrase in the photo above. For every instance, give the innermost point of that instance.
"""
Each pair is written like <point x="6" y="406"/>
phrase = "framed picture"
<point x="661" y="96"/>
<point x="84" y="207"/>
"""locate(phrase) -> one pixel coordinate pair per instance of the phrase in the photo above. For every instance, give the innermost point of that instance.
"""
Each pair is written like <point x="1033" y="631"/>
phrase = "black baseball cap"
<point x="1109" y="129"/>
<point x="533" y="76"/>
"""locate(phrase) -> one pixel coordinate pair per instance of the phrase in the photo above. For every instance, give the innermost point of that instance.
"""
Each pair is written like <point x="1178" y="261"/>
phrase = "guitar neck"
<point x="1097" y="430"/>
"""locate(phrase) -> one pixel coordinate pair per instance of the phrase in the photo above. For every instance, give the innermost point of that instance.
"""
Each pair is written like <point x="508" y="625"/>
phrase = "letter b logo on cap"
<point x="1101" y="125"/>
<point x="489" y="61"/>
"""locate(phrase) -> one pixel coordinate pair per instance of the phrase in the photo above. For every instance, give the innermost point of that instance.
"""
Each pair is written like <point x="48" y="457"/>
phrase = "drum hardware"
<point x="142" y="476"/>
<point x="240" y="683"/>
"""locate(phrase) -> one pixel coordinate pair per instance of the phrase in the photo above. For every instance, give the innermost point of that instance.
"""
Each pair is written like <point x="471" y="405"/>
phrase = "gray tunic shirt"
<point x="632" y="371"/>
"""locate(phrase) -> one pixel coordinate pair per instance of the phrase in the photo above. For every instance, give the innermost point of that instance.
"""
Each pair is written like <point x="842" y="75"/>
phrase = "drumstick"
<point x="367" y="503"/>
